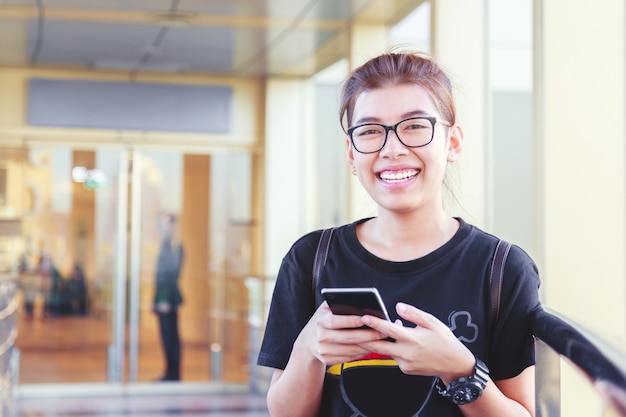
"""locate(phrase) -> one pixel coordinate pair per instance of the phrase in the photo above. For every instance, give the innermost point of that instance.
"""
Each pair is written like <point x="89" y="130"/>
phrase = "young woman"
<point x="432" y="271"/>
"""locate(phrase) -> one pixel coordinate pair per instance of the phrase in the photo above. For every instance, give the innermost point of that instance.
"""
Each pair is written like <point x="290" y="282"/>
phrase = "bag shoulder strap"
<point x="496" y="272"/>
<point x="320" y="256"/>
<point x="496" y="275"/>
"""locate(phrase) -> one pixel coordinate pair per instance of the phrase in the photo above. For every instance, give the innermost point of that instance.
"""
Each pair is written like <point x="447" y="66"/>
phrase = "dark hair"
<point x="394" y="68"/>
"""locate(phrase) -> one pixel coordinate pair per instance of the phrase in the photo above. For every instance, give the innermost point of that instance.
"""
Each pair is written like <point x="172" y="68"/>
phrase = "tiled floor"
<point x="70" y="349"/>
<point x="214" y="405"/>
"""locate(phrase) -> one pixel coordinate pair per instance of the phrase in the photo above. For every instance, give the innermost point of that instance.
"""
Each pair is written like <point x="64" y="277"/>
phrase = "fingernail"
<point x="401" y="307"/>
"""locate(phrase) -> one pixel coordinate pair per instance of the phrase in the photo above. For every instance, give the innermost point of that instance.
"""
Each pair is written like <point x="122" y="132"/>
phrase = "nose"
<point x="393" y="146"/>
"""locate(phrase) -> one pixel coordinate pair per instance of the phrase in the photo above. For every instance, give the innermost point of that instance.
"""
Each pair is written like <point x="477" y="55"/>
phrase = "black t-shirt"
<point x="451" y="283"/>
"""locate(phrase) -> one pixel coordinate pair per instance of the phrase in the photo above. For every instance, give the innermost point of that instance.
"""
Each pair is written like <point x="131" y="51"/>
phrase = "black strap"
<point x="496" y="272"/>
<point x="496" y="275"/>
<point x="320" y="256"/>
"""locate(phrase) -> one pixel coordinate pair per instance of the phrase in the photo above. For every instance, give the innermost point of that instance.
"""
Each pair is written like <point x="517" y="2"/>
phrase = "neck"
<point x="404" y="237"/>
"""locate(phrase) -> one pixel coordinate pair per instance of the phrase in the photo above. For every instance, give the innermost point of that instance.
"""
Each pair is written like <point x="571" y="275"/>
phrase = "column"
<point x="459" y="44"/>
<point x="366" y="41"/>
<point x="580" y="142"/>
<point x="289" y="162"/>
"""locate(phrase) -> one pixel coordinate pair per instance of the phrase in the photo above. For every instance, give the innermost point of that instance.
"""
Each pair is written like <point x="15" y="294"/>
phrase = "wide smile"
<point x="398" y="176"/>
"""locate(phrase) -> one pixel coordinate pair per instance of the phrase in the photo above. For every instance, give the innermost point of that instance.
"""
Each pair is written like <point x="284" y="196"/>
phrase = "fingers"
<point x="416" y="316"/>
<point x="332" y="321"/>
<point x="331" y="353"/>
<point x="429" y="348"/>
<point x="336" y="338"/>
<point x="396" y="329"/>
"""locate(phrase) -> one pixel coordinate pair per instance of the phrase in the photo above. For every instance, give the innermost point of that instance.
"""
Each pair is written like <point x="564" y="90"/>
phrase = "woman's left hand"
<point x="430" y="349"/>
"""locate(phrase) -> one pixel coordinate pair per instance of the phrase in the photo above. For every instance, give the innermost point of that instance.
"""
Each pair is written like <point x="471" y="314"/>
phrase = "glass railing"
<point x="8" y="333"/>
<point x="578" y="372"/>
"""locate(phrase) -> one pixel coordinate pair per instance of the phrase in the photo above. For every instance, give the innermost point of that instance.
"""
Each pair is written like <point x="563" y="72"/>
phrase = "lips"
<point x="398" y="176"/>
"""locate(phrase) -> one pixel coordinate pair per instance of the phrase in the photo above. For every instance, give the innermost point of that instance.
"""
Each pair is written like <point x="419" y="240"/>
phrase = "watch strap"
<point x="466" y="389"/>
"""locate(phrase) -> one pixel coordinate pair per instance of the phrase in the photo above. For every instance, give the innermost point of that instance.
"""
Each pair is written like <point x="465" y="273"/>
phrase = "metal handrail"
<point x="602" y="363"/>
<point x="8" y="310"/>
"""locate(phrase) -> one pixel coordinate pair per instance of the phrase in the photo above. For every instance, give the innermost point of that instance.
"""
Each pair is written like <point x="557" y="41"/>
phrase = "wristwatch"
<point x="465" y="389"/>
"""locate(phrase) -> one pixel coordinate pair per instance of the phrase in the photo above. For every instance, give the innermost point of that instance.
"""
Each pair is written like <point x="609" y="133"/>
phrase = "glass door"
<point x="162" y="258"/>
<point x="191" y="253"/>
<point x="113" y="243"/>
<point x="71" y="208"/>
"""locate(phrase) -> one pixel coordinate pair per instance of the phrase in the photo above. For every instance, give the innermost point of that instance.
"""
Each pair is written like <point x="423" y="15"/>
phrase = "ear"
<point x="349" y="153"/>
<point x="455" y="142"/>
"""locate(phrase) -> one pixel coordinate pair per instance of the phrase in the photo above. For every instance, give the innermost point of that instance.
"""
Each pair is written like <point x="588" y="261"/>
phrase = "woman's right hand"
<point x="327" y="339"/>
<point x="334" y="339"/>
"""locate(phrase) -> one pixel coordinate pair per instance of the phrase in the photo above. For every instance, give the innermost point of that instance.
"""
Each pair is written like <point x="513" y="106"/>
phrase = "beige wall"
<point x="459" y="42"/>
<point x="246" y="123"/>
<point x="290" y="185"/>
<point x="580" y="73"/>
<point x="580" y="144"/>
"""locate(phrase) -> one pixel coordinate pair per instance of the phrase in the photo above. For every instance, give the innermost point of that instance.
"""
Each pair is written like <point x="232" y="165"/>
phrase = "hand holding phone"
<point x="356" y="302"/>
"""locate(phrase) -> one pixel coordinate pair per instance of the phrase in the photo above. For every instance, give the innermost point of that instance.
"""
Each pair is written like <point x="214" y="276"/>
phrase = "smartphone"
<point x="355" y="302"/>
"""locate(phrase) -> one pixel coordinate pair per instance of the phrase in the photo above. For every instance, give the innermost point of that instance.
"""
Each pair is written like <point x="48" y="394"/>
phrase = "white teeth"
<point x="398" y="175"/>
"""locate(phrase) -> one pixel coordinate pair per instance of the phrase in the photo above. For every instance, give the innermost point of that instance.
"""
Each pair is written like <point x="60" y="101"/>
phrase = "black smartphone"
<point x="355" y="302"/>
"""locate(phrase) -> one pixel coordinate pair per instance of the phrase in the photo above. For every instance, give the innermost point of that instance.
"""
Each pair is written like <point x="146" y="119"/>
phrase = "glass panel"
<point x="511" y="94"/>
<point x="210" y="199"/>
<point x="66" y="201"/>
<point x="331" y="167"/>
<point x="231" y="229"/>
<point x="161" y="189"/>
<point x="70" y="254"/>
<point x="414" y="29"/>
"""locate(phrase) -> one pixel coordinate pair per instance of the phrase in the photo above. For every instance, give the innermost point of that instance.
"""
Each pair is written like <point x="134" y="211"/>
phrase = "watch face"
<point x="466" y="389"/>
<point x="466" y="394"/>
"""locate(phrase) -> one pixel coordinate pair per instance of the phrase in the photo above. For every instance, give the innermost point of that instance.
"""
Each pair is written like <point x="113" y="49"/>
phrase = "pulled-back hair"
<point x="394" y="68"/>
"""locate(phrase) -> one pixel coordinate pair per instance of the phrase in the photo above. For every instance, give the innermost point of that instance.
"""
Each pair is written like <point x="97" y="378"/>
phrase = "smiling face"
<point x="402" y="179"/>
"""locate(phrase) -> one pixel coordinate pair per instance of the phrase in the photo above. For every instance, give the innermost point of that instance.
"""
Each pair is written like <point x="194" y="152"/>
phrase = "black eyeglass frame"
<point x="433" y="121"/>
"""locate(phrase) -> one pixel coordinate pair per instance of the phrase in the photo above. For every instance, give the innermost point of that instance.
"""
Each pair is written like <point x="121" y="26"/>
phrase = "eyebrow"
<point x="407" y="115"/>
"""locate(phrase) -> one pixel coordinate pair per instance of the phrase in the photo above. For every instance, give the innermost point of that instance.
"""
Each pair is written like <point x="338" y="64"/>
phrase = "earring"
<point x="353" y="171"/>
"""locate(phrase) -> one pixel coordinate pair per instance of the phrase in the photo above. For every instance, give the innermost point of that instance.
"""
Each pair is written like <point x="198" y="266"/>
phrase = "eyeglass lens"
<point x="414" y="132"/>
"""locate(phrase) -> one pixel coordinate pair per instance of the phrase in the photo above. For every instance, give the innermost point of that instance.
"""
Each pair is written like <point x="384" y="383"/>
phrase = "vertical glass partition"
<point x="157" y="213"/>
<point x="89" y="229"/>
<point x="67" y="204"/>
<point x="209" y="198"/>
<point x="511" y="119"/>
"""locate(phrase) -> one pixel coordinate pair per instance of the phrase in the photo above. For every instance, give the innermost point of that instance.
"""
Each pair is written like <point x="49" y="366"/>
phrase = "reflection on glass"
<point x="66" y="206"/>
<point x="210" y="195"/>
<point x="66" y="262"/>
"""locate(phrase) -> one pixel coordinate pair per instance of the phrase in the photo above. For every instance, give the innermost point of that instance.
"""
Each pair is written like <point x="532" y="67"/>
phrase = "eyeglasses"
<point x="413" y="132"/>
